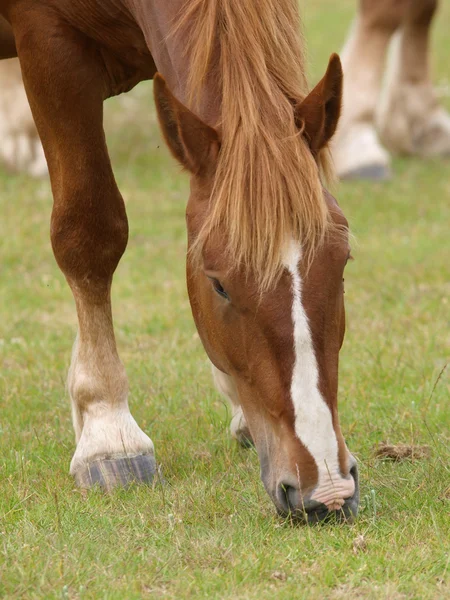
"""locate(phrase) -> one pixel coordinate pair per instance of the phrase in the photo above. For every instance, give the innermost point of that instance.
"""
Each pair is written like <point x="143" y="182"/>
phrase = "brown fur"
<point x="7" y="43"/>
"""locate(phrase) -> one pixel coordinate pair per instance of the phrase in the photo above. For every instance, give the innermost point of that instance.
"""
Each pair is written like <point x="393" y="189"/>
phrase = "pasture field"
<point x="212" y="532"/>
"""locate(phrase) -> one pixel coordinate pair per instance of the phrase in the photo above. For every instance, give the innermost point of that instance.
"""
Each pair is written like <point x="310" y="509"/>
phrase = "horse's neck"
<point x="157" y="19"/>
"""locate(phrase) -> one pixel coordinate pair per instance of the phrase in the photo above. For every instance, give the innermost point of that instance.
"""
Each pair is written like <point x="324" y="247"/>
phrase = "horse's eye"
<point x="219" y="289"/>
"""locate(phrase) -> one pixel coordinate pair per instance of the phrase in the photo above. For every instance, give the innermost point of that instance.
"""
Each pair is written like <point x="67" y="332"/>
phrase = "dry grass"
<point x="402" y="451"/>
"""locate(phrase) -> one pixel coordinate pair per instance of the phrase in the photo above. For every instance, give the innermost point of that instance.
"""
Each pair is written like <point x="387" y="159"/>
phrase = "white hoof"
<point x="434" y="138"/>
<point x="109" y="434"/>
<point x="358" y="154"/>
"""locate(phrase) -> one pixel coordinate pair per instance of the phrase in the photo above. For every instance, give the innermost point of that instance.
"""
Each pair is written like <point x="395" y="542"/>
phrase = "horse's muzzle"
<point x="290" y="503"/>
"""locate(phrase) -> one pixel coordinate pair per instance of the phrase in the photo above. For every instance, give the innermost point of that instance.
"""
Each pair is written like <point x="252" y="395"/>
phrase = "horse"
<point x="267" y="244"/>
<point x="403" y="117"/>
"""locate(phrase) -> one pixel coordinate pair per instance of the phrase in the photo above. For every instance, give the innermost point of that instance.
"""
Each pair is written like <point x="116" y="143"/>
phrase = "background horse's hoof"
<point x="434" y="137"/>
<point x="109" y="473"/>
<point x="374" y="172"/>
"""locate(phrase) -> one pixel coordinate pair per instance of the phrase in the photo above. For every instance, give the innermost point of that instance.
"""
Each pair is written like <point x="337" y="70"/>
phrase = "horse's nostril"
<point x="354" y="472"/>
<point x="288" y="497"/>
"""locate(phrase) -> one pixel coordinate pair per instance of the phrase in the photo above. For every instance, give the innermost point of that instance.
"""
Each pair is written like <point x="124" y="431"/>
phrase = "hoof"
<point x="358" y="154"/>
<point x="372" y="172"/>
<point x="434" y="138"/>
<point x="239" y="429"/>
<point x="244" y="439"/>
<point x="109" y="473"/>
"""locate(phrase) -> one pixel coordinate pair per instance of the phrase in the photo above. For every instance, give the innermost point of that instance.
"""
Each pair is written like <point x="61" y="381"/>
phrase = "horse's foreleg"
<point x="238" y="427"/>
<point x="65" y="85"/>
<point x="356" y="149"/>
<point x="411" y="119"/>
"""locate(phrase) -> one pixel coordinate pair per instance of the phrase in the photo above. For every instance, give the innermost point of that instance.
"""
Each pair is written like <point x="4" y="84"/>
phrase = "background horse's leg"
<point x="238" y="427"/>
<point x="66" y="83"/>
<point x="356" y="149"/>
<point x="7" y="42"/>
<point x="410" y="119"/>
<point x="20" y="147"/>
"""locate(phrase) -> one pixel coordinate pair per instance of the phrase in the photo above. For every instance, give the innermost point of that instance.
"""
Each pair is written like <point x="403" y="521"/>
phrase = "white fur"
<point x="98" y="387"/>
<point x="355" y="145"/>
<point x="313" y="422"/>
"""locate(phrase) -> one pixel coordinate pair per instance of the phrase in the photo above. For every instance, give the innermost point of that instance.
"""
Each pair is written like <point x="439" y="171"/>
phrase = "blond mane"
<point x="267" y="187"/>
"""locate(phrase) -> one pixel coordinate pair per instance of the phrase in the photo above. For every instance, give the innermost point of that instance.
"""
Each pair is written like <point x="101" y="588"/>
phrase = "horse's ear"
<point x="193" y="143"/>
<point x="319" y="112"/>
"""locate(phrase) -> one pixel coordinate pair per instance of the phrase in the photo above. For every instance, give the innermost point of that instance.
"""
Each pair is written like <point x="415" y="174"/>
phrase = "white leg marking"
<point x="355" y="145"/>
<point x="98" y="387"/>
<point x="357" y="152"/>
<point x="313" y="422"/>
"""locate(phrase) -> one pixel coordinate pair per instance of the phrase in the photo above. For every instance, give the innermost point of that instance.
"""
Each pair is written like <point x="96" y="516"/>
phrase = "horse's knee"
<point x="89" y="233"/>
<point x="384" y="14"/>
<point x="421" y="12"/>
<point x="391" y="14"/>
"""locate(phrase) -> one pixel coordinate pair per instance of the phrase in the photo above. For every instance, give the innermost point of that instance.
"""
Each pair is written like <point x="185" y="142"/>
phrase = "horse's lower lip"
<point x="347" y="513"/>
<point x="314" y="512"/>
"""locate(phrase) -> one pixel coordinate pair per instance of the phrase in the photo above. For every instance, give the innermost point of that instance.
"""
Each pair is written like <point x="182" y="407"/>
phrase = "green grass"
<point x="212" y="532"/>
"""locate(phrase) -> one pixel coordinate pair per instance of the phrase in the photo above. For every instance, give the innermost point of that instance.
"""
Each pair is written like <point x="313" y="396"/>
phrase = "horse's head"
<point x="275" y="352"/>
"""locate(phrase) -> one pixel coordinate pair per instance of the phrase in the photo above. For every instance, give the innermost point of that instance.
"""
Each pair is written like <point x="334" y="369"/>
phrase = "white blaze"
<point x="313" y="422"/>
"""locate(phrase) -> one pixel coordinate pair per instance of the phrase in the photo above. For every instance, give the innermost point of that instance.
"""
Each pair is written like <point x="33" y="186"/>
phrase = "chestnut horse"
<point x="267" y="244"/>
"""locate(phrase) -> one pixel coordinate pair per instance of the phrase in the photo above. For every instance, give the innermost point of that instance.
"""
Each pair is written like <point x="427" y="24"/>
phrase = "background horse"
<point x="405" y="114"/>
<point x="267" y="245"/>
